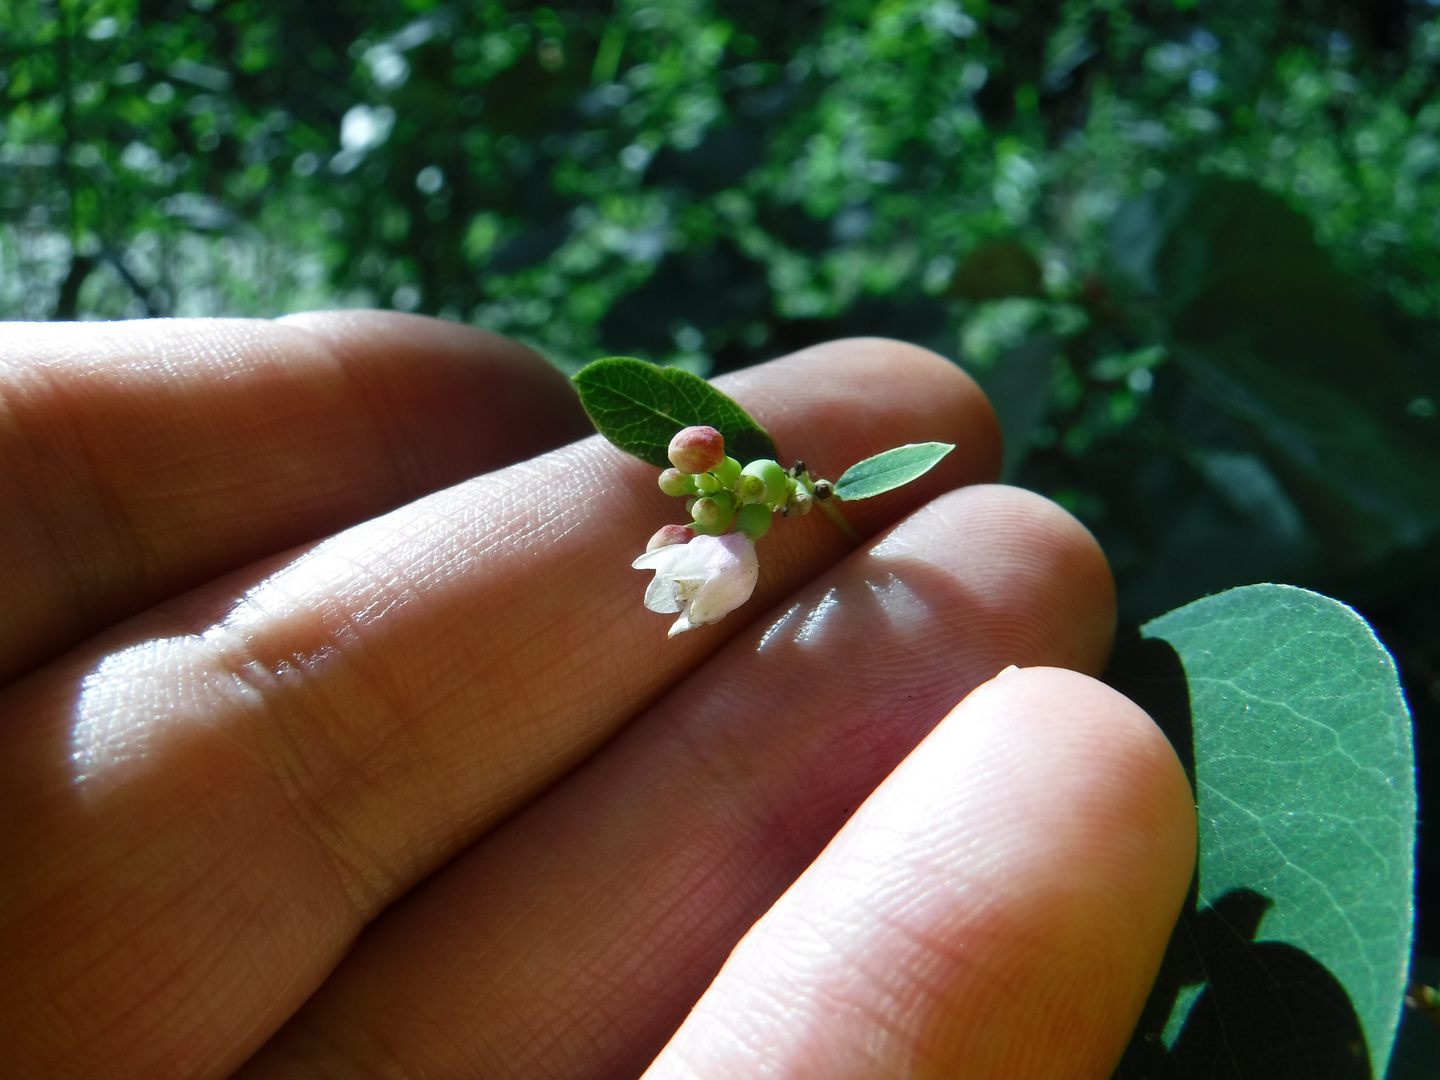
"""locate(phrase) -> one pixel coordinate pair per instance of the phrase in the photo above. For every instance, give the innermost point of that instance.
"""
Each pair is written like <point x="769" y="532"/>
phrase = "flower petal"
<point x="704" y="580"/>
<point x="662" y="596"/>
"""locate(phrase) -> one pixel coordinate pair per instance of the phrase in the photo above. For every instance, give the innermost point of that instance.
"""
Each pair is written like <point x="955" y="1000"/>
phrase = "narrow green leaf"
<point x="892" y="469"/>
<point x="1289" y="717"/>
<point x="639" y="407"/>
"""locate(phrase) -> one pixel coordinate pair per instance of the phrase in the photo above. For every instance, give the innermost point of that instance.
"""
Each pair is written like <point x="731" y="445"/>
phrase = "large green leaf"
<point x="1290" y="958"/>
<point x="639" y="407"/>
<point x="1272" y="332"/>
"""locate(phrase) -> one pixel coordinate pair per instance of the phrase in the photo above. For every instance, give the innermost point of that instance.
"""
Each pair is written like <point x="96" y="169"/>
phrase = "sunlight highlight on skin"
<point x="340" y="573"/>
<point x="138" y="697"/>
<point x="810" y="630"/>
<point x="141" y="695"/>
<point x="135" y="696"/>
<point x="904" y="606"/>
<point x="773" y="635"/>
<point x="812" y="621"/>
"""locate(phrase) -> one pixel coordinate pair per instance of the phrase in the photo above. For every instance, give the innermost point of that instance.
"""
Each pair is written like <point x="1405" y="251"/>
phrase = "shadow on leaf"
<point x="1224" y="1006"/>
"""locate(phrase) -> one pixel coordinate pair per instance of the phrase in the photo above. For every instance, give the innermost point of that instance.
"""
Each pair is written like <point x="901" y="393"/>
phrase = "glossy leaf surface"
<point x="639" y="407"/>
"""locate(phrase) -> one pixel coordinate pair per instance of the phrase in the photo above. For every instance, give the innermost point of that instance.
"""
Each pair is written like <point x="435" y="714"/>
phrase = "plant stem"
<point x="831" y="511"/>
<point x="846" y="529"/>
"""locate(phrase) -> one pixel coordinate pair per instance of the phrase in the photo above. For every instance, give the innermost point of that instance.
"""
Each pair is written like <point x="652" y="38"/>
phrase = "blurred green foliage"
<point x="1191" y="247"/>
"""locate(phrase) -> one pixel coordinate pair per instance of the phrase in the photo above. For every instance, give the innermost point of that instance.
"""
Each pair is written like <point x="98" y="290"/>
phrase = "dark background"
<point x="1192" y="250"/>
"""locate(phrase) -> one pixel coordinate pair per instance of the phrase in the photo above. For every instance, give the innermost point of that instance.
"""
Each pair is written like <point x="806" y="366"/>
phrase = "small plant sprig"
<point x="724" y="464"/>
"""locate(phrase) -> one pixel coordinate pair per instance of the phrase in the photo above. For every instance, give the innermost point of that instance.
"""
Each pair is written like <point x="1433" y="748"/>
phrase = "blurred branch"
<point x="65" y="58"/>
<point x="67" y="302"/>
<point x="81" y="267"/>
<point x="152" y="310"/>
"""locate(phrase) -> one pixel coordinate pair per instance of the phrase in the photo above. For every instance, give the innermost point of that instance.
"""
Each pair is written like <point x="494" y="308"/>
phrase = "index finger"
<point x="138" y="460"/>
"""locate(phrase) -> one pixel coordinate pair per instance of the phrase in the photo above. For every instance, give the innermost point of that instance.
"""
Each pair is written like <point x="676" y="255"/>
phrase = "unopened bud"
<point x="715" y="528"/>
<point x="714" y="510"/>
<point x="777" y="484"/>
<point x="669" y="535"/>
<point x="750" y="489"/>
<point x="753" y="520"/>
<point x="698" y="449"/>
<point x="707" y="483"/>
<point x="727" y="472"/>
<point x="675" y="482"/>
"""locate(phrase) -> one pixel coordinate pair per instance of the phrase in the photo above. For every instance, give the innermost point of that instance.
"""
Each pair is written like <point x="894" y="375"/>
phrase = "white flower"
<point x="704" y="580"/>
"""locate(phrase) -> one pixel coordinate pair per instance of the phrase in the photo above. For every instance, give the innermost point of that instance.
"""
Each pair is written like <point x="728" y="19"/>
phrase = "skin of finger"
<point x="998" y="909"/>
<point x="144" y="458"/>
<point x="201" y="808"/>
<point x="572" y="941"/>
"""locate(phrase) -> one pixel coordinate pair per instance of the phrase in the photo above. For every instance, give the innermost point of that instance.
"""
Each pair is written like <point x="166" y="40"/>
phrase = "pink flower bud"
<point x="697" y="449"/>
<point x="713" y="513"/>
<point x="670" y="534"/>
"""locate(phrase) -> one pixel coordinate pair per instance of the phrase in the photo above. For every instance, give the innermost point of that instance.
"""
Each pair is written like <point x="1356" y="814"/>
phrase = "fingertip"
<point x="1038" y="574"/>
<point x="1085" y="595"/>
<point x="1121" y="765"/>
<point x="998" y="909"/>
<point x="1092" y="830"/>
<point x="1100" y="860"/>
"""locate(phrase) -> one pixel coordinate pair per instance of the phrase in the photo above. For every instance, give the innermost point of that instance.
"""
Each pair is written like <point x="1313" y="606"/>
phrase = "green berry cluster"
<point x="723" y="494"/>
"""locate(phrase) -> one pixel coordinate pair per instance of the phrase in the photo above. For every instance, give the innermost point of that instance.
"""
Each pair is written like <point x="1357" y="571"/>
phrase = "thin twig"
<point x="846" y="529"/>
<point x="831" y="510"/>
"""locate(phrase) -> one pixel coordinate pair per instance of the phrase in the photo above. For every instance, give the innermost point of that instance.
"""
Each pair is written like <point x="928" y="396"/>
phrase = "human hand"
<point x="436" y="797"/>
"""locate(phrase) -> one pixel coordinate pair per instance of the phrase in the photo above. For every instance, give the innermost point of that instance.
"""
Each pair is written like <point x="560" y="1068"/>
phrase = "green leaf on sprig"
<point x="639" y="407"/>
<point x="892" y="469"/>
